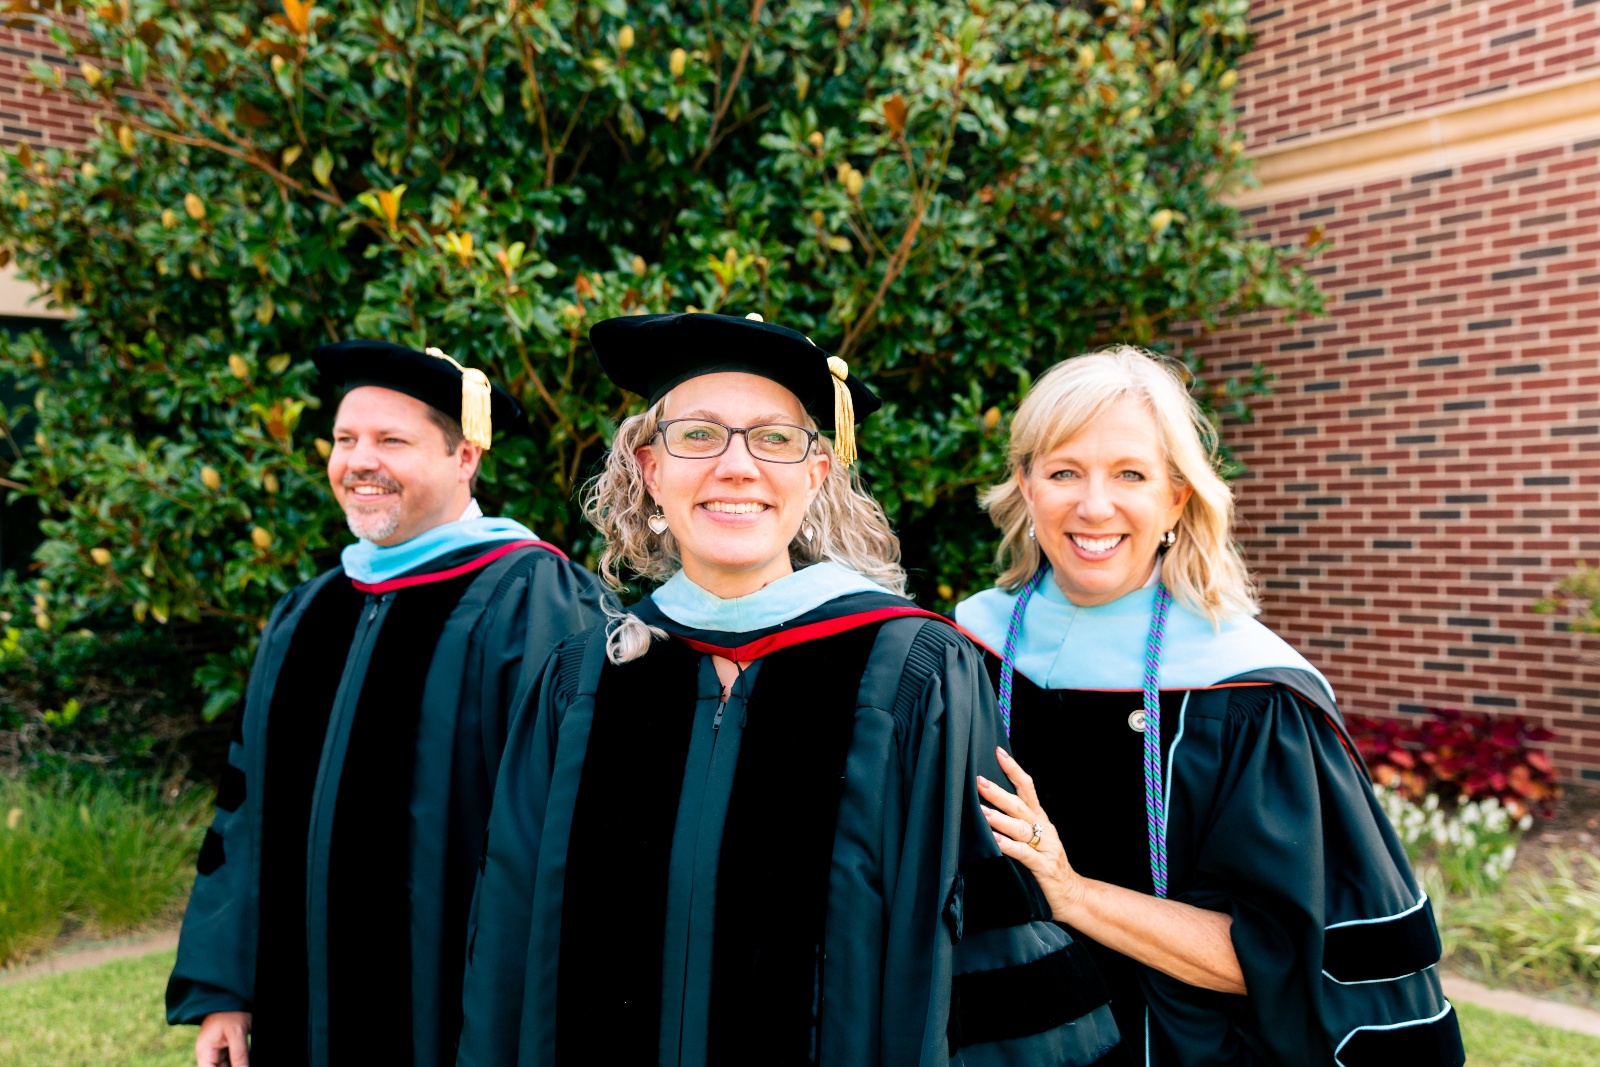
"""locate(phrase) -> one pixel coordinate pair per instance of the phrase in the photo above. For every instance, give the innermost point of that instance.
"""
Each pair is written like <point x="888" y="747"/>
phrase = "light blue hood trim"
<point x="1063" y="646"/>
<point x="791" y="596"/>
<point x="371" y="564"/>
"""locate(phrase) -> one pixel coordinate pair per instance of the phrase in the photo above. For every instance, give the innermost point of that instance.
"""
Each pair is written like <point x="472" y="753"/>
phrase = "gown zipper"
<point x="674" y="1057"/>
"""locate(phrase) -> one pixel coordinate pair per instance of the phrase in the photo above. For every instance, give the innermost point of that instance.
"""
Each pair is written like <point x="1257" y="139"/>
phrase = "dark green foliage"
<point x="951" y="196"/>
<point x="1577" y="596"/>
<point x="112" y="706"/>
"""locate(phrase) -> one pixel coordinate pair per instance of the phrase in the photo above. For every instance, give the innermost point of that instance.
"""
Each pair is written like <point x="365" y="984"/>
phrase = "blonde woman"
<point x="1195" y="809"/>
<point x="740" y="824"/>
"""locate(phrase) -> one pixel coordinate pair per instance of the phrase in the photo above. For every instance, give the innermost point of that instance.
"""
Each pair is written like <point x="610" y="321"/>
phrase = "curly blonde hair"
<point x="848" y="526"/>
<point x="1202" y="568"/>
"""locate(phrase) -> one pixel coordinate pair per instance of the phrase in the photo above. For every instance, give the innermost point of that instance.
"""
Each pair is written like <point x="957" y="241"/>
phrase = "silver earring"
<point x="1030" y="532"/>
<point x="807" y="532"/>
<point x="1169" y="538"/>
<point x="658" y="521"/>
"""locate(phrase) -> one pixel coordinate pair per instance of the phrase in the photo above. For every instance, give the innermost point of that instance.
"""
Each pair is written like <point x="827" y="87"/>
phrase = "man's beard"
<point x="371" y="525"/>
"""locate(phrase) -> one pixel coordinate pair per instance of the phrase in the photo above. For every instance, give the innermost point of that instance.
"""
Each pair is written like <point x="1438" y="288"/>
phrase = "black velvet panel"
<point x="1436" y="1042"/>
<point x="231" y="791"/>
<point x="1088" y="767"/>
<point x="1371" y="952"/>
<point x="1027" y="999"/>
<point x="613" y="919"/>
<point x="297" y="720"/>
<point x="369" y="891"/>
<point x="212" y="853"/>
<point x="777" y="851"/>
<point x="997" y="892"/>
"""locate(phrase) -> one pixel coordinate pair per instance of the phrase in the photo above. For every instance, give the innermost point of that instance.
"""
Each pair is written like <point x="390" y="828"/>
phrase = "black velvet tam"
<point x="434" y="381"/>
<point x="650" y="354"/>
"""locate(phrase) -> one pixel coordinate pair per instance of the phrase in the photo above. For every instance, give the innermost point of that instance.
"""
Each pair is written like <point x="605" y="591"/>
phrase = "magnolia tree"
<point x="949" y="195"/>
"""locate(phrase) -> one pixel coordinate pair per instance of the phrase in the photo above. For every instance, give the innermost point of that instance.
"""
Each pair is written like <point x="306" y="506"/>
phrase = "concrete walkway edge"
<point x="93" y="954"/>
<point x="1465" y="990"/>
<point x="1544" y="1012"/>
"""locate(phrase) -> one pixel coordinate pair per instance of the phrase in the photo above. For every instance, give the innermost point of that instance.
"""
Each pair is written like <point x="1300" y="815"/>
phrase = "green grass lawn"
<point x="1497" y="1040"/>
<point x="98" y="1016"/>
<point x="112" y="1015"/>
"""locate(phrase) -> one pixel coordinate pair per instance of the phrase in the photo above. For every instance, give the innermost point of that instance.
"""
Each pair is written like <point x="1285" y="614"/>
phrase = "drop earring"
<point x="658" y="521"/>
<point x="808" y="532"/>
<point x="1169" y="538"/>
<point x="1030" y="532"/>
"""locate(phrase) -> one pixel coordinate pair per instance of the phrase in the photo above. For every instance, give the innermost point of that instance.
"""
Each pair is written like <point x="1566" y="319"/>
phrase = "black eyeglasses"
<point x="703" y="439"/>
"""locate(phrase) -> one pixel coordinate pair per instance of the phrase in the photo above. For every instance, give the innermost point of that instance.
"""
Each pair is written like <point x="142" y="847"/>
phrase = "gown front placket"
<point x="690" y="939"/>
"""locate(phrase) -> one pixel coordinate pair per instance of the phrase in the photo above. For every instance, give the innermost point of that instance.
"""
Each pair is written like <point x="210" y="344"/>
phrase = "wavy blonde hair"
<point x="1203" y="568"/>
<point x="848" y="526"/>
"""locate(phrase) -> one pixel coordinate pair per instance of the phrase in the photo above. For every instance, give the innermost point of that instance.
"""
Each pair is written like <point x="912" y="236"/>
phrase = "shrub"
<point x="30" y="886"/>
<point x="949" y="195"/>
<point x="96" y="858"/>
<point x="1459" y="757"/>
<point x="1577" y="596"/>
<point x="1538" y="931"/>
<point x="1472" y="843"/>
<point x="94" y="707"/>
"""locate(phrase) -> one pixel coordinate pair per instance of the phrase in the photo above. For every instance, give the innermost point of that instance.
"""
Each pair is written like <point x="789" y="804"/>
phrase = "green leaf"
<point x="322" y="166"/>
<point x="135" y="57"/>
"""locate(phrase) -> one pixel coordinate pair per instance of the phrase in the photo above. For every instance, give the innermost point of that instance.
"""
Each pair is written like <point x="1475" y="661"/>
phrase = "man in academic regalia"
<point x="327" y="923"/>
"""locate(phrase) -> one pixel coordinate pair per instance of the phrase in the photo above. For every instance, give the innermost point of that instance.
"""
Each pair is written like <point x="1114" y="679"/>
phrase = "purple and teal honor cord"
<point x="1008" y="655"/>
<point x="1155" y="804"/>
<point x="1154" y="796"/>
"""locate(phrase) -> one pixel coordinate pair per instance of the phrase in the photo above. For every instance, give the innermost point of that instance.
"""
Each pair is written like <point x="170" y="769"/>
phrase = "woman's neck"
<point x="729" y="583"/>
<point x="1080" y="600"/>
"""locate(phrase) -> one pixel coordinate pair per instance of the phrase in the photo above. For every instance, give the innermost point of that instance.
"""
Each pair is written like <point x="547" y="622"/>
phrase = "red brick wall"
<point x="1429" y="463"/>
<point x="1322" y="65"/>
<point x="25" y="113"/>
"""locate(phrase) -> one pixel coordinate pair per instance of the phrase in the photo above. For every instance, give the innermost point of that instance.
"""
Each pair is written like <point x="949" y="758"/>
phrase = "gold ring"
<point x="1038" y="835"/>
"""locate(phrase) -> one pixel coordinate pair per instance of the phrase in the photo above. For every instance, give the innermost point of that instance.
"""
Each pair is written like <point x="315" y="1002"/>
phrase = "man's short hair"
<point x="451" y="428"/>
<point x="453" y="436"/>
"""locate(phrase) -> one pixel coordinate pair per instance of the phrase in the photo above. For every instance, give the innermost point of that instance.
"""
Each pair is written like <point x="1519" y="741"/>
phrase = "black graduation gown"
<point x="1271" y="820"/>
<point x="800" y="876"/>
<point x="335" y="881"/>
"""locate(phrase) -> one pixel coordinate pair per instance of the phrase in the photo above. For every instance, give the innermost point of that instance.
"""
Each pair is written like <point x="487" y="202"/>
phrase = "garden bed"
<point x="1574" y="827"/>
<point x="90" y="863"/>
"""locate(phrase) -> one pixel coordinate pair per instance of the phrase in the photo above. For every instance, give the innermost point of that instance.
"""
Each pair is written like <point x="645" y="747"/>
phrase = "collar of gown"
<point x="1063" y="646"/>
<point x="371" y="564"/>
<point x="774" y="604"/>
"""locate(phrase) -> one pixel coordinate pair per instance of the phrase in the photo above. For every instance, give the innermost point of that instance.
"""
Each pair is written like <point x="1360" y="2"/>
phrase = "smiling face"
<point x="1100" y="502"/>
<point x="390" y="468"/>
<point x="733" y="516"/>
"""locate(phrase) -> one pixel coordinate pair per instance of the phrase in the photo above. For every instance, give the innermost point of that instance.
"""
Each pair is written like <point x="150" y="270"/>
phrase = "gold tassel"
<point x="844" y="413"/>
<point x="476" y="423"/>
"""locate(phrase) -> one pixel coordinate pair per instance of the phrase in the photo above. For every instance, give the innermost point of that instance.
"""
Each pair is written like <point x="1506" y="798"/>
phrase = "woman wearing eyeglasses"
<point x="739" y="825"/>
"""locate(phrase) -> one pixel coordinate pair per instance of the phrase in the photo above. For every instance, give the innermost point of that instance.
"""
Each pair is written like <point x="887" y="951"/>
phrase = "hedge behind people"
<point x="949" y="195"/>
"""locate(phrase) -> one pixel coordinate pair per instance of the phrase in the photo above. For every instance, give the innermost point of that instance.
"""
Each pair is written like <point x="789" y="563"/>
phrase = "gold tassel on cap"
<point x="844" y="413"/>
<point x="476" y="424"/>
